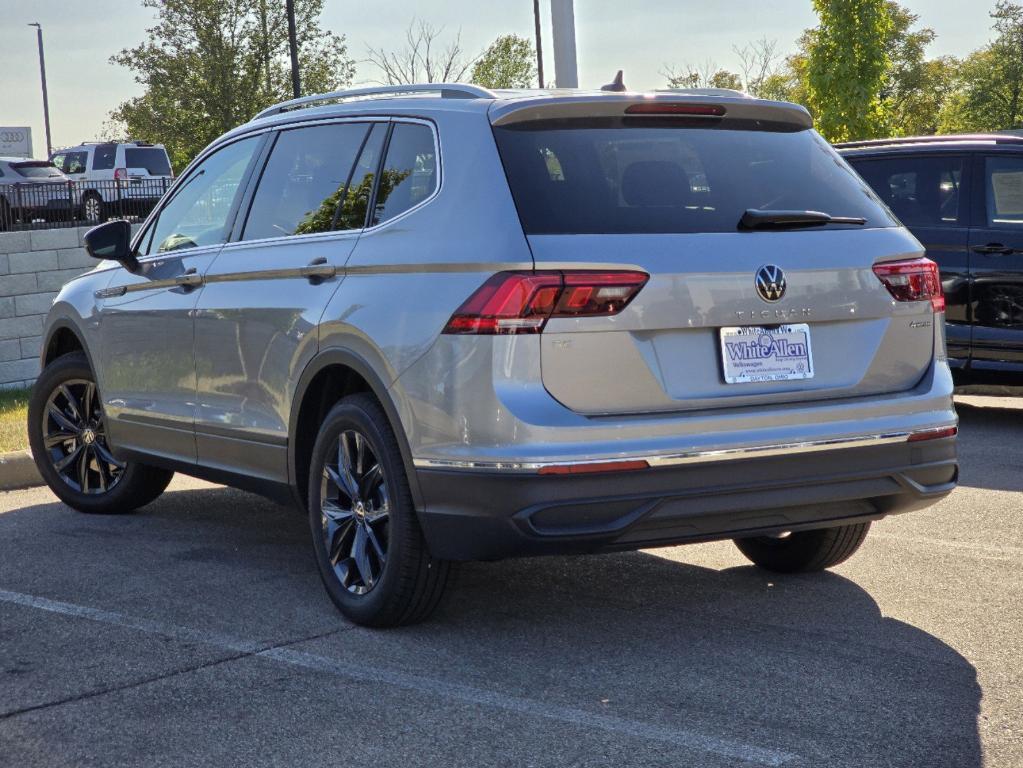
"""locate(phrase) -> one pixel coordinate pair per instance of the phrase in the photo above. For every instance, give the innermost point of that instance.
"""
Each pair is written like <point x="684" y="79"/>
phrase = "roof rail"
<point x="997" y="138"/>
<point x="446" y="90"/>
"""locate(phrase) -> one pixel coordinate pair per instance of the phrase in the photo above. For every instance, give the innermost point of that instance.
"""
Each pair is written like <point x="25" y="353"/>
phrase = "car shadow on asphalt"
<point x="807" y="664"/>
<point x="811" y="656"/>
<point x="990" y="447"/>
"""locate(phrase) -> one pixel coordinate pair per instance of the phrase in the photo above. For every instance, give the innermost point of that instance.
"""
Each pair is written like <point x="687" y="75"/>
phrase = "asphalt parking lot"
<point x="196" y="633"/>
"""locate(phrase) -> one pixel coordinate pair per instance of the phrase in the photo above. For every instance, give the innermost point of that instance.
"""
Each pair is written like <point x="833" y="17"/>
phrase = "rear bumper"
<point x="473" y="514"/>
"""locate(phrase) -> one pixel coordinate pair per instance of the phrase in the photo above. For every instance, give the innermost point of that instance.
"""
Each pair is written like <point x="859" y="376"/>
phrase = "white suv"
<point x="121" y="178"/>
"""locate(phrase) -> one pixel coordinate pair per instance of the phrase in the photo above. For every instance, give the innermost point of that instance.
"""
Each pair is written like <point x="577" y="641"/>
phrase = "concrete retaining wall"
<point x="33" y="267"/>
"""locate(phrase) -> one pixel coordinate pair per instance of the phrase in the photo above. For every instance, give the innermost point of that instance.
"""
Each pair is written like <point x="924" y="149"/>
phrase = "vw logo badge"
<point x="770" y="282"/>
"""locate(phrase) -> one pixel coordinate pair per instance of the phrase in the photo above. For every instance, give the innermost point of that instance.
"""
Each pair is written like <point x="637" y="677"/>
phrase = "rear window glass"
<point x="921" y="191"/>
<point x="37" y="170"/>
<point x="409" y="175"/>
<point x="626" y="176"/>
<point x="153" y="159"/>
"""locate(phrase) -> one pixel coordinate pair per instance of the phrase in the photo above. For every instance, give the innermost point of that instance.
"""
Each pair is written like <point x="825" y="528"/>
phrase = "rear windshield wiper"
<point x="755" y="218"/>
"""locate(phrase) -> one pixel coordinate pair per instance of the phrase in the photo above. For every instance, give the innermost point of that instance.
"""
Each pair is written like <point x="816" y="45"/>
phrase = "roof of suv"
<point x="507" y="106"/>
<point x="951" y="142"/>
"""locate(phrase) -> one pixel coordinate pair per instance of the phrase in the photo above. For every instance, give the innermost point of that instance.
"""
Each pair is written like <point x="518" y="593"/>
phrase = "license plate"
<point x="753" y="353"/>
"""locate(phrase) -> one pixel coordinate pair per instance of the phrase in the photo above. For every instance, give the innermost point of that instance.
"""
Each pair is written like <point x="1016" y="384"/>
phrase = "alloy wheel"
<point x="74" y="435"/>
<point x="92" y="208"/>
<point x="355" y="512"/>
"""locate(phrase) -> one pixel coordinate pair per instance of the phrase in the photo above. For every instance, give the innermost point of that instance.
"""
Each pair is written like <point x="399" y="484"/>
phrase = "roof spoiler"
<point x="693" y="103"/>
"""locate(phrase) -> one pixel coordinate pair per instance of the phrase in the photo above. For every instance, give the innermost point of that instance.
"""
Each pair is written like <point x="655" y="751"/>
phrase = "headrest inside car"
<point x="655" y="183"/>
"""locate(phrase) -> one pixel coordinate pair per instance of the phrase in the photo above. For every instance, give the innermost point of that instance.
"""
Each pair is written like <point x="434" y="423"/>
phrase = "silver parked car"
<point x="34" y="189"/>
<point x="454" y="324"/>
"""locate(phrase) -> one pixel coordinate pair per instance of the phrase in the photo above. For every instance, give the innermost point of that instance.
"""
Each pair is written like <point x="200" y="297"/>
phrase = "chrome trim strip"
<point x="689" y="457"/>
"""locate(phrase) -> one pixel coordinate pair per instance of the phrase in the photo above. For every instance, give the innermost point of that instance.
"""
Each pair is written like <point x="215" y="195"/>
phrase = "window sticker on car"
<point x="1008" y="188"/>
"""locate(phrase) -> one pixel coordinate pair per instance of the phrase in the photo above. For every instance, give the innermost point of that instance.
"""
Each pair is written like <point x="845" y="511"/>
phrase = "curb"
<point x="18" y="470"/>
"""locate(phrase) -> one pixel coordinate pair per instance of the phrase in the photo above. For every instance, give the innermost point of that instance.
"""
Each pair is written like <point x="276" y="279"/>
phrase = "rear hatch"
<point x="149" y="172"/>
<point x="664" y="193"/>
<point x="146" y="162"/>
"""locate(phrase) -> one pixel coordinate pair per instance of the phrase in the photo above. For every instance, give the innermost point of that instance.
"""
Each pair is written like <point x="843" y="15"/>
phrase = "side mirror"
<point x="112" y="241"/>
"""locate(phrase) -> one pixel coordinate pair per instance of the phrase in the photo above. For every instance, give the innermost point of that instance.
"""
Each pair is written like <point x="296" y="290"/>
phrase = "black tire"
<point x="805" y="551"/>
<point x="404" y="587"/>
<point x="108" y="488"/>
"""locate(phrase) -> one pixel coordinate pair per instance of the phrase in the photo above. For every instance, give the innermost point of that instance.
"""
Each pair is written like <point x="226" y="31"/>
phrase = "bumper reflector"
<point x="583" y="469"/>
<point x="932" y="434"/>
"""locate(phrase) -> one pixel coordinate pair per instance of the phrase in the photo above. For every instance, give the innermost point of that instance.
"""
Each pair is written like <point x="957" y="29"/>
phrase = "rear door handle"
<point x="319" y="270"/>
<point x="191" y="279"/>
<point x="994" y="249"/>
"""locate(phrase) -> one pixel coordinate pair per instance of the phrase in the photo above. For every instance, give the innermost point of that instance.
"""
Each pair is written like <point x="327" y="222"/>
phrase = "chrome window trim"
<point x="440" y="174"/>
<point x="340" y="233"/>
<point x="688" y="457"/>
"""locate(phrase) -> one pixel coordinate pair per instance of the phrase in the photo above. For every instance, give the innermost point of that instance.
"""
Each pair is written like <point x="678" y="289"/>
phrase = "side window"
<point x="198" y="211"/>
<point x="103" y="157"/>
<point x="1003" y="177"/>
<point x="921" y="191"/>
<point x="74" y="162"/>
<point x="304" y="180"/>
<point x="356" y="203"/>
<point x="409" y="175"/>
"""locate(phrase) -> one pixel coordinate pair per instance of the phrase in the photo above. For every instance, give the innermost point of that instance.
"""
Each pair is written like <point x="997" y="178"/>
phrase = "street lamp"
<point x="296" y="83"/>
<point x="46" y="100"/>
<point x="539" y="45"/>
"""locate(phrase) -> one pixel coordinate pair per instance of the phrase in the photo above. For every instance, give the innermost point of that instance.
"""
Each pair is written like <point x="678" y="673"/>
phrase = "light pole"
<point x="296" y="83"/>
<point x="566" y="74"/>
<point x="46" y="100"/>
<point x="539" y="46"/>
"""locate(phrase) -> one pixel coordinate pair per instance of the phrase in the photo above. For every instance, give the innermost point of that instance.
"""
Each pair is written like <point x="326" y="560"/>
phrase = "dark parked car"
<point x="962" y="196"/>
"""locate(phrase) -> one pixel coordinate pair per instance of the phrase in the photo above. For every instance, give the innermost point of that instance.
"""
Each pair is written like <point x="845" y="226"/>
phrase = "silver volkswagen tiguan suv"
<point x="455" y="324"/>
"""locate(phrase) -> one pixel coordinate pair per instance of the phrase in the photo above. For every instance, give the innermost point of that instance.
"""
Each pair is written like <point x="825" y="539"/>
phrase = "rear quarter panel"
<point x="407" y="276"/>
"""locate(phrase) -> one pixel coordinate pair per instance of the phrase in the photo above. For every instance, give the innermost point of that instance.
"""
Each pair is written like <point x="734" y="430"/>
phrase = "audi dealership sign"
<point x="15" y="142"/>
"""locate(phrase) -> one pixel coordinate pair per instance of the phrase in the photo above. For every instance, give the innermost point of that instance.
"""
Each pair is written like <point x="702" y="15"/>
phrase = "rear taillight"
<point x="913" y="280"/>
<point x="523" y="302"/>
<point x="120" y="173"/>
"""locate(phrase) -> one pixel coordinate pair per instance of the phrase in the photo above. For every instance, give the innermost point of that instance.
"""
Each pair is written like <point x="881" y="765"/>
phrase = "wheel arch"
<point x="331" y="375"/>
<point x="62" y="338"/>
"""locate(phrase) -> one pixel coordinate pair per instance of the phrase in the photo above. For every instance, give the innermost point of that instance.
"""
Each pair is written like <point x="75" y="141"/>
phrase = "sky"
<point x="642" y="37"/>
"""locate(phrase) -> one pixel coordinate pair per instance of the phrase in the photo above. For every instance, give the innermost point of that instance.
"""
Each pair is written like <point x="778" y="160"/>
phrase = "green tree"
<point x="707" y="76"/>
<point x="509" y="62"/>
<point x="989" y="88"/>
<point x="846" y="69"/>
<point x="916" y="88"/>
<point x="789" y="83"/>
<point x="208" y="65"/>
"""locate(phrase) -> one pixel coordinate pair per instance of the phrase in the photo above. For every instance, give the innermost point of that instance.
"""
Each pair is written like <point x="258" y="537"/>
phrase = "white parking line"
<point x="679" y="737"/>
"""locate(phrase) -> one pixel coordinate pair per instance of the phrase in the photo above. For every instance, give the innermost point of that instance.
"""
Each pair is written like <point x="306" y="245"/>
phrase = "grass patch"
<point x="13" y="413"/>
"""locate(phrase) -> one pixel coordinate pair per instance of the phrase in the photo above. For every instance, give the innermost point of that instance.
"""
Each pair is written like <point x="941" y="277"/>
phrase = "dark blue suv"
<point x="962" y="196"/>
